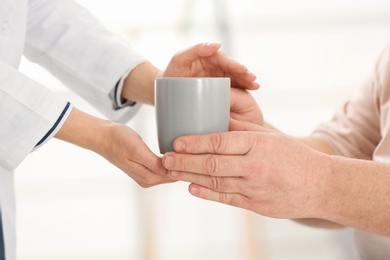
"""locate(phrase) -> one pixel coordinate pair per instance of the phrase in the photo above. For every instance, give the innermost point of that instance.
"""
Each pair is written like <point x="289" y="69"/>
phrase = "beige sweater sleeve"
<point x="355" y="130"/>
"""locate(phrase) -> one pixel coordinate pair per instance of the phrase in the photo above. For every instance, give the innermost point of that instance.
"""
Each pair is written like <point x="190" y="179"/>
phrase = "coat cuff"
<point x="28" y="112"/>
<point x="57" y="125"/>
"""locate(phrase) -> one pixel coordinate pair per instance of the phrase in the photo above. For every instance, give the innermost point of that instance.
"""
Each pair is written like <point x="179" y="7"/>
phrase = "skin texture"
<point x="256" y="167"/>
<point x="122" y="146"/>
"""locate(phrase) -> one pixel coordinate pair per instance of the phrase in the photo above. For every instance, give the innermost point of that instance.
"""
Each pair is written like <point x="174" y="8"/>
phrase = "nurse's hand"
<point x="201" y="60"/>
<point x="243" y="107"/>
<point x="124" y="148"/>
<point x="119" y="144"/>
<point x="207" y="60"/>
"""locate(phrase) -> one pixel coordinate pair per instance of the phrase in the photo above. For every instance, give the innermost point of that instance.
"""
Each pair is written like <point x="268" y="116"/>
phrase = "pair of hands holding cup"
<point x="188" y="106"/>
<point x="199" y="103"/>
<point x="252" y="166"/>
<point x="233" y="167"/>
<point x="228" y="167"/>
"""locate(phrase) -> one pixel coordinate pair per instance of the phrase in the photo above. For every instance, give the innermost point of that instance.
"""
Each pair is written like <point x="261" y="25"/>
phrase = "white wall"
<point x="308" y="56"/>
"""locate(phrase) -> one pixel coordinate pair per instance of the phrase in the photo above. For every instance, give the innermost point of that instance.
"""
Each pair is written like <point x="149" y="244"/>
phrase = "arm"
<point x="321" y="146"/>
<point x="139" y="84"/>
<point x="28" y="115"/>
<point x="90" y="60"/>
<point x="74" y="46"/>
<point x="360" y="195"/>
<point x="31" y="114"/>
<point x="68" y="41"/>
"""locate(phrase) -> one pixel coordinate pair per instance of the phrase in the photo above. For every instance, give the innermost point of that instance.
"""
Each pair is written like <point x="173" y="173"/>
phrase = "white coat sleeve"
<point x="29" y="115"/>
<point x="72" y="44"/>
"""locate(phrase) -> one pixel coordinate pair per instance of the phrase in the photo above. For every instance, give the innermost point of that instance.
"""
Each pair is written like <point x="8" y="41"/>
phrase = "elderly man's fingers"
<point x="220" y="184"/>
<point x="233" y="199"/>
<point x="237" y="125"/>
<point x="226" y="143"/>
<point x="206" y="164"/>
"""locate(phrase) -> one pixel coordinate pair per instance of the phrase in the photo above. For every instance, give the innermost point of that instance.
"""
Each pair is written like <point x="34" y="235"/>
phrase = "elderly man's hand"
<point x="259" y="170"/>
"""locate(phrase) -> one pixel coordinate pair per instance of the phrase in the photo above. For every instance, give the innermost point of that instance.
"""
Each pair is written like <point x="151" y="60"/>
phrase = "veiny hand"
<point x="207" y="60"/>
<point x="266" y="172"/>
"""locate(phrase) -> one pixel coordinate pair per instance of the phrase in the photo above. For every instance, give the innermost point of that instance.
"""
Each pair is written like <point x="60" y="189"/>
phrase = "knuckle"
<point x="220" y="184"/>
<point x="227" y="198"/>
<point x="232" y="200"/>
<point x="218" y="142"/>
<point x="182" y="162"/>
<point x="215" y="183"/>
<point x="210" y="165"/>
<point x="223" y="197"/>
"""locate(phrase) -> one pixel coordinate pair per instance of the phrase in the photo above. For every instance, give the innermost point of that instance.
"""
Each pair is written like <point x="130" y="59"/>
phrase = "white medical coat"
<point x="69" y="42"/>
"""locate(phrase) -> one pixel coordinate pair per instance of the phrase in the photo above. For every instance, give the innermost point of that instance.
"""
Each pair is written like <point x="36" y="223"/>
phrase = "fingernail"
<point x="180" y="146"/>
<point x="169" y="162"/>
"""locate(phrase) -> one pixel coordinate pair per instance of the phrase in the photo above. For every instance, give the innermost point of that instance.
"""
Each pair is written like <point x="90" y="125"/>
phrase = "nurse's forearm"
<point x="139" y="84"/>
<point x="84" y="130"/>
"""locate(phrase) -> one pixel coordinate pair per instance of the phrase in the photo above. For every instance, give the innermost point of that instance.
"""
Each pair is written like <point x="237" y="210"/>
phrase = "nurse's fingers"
<point x="143" y="176"/>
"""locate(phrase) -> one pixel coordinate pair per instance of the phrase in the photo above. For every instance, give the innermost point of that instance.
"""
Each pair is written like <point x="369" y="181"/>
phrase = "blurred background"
<point x="308" y="57"/>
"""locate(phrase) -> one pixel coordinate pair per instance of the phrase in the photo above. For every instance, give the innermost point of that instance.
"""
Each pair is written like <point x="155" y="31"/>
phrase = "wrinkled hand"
<point x="266" y="172"/>
<point x="124" y="148"/>
<point x="207" y="60"/>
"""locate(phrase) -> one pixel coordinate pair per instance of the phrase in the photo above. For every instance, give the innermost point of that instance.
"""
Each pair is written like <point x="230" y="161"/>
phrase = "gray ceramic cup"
<point x="187" y="106"/>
